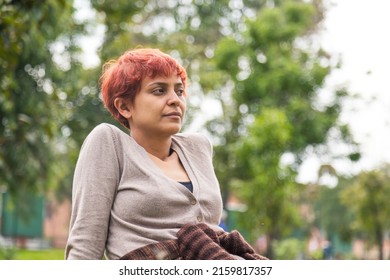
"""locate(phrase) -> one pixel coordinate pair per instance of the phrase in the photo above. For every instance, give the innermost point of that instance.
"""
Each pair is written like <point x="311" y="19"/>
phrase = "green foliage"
<point x="48" y="102"/>
<point x="274" y="67"/>
<point x="117" y="18"/>
<point x="225" y="50"/>
<point x="262" y="183"/>
<point x="256" y="150"/>
<point x="289" y="249"/>
<point x="33" y="97"/>
<point x="316" y="255"/>
<point x="271" y="69"/>
<point x="282" y="24"/>
<point x="368" y="197"/>
<point x="7" y="253"/>
<point x="331" y="214"/>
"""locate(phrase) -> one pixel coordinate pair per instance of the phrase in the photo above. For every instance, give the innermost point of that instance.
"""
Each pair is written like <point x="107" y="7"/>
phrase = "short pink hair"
<point x="123" y="77"/>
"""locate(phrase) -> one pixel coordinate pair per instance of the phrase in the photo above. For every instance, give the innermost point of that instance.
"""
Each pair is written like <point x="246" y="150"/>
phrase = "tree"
<point x="331" y="215"/>
<point x="274" y="64"/>
<point x="38" y="51"/>
<point x="264" y="184"/>
<point x="368" y="197"/>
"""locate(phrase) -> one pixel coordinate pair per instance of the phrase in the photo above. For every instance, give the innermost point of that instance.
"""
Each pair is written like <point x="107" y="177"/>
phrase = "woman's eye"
<point x="158" y="91"/>
<point x="180" y="92"/>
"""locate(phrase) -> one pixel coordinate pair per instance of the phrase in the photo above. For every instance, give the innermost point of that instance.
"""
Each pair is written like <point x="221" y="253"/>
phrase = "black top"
<point x="188" y="185"/>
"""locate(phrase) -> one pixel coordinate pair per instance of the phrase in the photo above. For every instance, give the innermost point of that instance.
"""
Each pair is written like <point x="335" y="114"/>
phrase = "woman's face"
<point x="159" y="107"/>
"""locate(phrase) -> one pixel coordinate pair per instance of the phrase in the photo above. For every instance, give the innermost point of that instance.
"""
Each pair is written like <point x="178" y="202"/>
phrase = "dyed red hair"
<point x="123" y="77"/>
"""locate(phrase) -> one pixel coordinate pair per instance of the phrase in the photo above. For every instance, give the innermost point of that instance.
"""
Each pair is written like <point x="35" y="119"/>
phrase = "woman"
<point x="131" y="191"/>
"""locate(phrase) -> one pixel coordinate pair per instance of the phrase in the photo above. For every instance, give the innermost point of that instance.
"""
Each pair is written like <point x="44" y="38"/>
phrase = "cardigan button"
<point x="193" y="201"/>
<point x="199" y="218"/>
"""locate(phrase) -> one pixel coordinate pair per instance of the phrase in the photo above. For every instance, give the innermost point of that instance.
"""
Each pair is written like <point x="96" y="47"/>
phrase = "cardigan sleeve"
<point x="95" y="181"/>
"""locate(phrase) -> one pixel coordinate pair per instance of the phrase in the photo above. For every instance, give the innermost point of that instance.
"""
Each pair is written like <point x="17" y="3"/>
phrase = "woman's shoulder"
<point x="105" y="130"/>
<point x="104" y="133"/>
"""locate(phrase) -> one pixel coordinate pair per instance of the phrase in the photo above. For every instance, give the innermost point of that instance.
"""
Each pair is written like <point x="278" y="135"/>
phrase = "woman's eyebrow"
<point x="163" y="84"/>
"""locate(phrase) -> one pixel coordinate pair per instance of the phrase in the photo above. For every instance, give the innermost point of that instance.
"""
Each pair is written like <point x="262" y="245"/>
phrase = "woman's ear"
<point x="123" y="106"/>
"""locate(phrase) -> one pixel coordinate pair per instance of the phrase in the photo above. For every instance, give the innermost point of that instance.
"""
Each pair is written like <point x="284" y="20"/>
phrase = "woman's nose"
<point x="173" y="98"/>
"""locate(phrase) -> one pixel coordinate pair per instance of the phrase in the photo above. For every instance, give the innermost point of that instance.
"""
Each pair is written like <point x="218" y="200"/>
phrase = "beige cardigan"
<point x="122" y="201"/>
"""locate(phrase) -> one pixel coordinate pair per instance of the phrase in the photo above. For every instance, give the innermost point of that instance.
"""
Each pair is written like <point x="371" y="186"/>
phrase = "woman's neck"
<point x="157" y="147"/>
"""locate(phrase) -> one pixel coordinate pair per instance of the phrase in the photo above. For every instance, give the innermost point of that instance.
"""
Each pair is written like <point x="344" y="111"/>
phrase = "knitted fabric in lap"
<point x="197" y="242"/>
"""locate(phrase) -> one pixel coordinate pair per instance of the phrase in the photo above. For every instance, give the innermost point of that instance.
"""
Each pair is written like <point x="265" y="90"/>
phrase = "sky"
<point x="357" y="31"/>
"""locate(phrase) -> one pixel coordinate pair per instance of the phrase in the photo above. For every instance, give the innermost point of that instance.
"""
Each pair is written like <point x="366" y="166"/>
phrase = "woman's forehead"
<point x="162" y="79"/>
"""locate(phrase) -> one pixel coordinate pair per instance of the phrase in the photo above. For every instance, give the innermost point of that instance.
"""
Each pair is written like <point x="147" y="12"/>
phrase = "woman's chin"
<point x="173" y="129"/>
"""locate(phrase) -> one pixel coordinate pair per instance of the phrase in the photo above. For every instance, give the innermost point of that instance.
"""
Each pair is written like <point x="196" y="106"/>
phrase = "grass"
<point x="49" y="254"/>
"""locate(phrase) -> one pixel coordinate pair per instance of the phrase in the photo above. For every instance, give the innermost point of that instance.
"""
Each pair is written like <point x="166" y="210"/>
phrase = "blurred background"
<point x="291" y="93"/>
